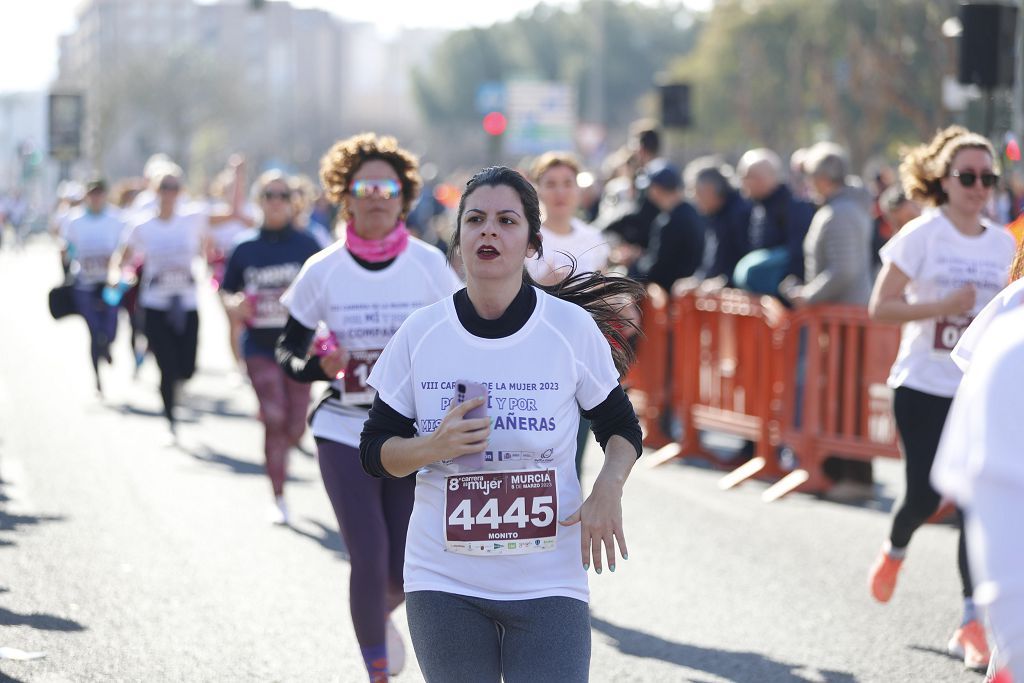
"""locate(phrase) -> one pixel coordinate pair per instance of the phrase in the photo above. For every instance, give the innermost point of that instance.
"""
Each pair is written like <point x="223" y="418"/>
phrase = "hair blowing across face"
<point x="344" y="158"/>
<point x="923" y="167"/>
<point x="604" y="297"/>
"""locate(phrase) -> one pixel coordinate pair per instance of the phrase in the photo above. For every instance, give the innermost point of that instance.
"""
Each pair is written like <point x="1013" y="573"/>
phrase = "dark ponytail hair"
<point x="604" y="297"/>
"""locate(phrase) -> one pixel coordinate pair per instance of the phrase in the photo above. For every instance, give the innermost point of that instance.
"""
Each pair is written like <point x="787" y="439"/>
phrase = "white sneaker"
<point x="279" y="513"/>
<point x="395" y="648"/>
<point x="170" y="439"/>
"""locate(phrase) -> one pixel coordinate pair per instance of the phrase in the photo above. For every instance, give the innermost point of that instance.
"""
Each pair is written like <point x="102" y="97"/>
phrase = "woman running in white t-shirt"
<point x="91" y="237"/>
<point x="501" y="538"/>
<point x="565" y="237"/>
<point x="570" y="245"/>
<point x="169" y="241"/>
<point x="362" y="288"/>
<point x="937" y="274"/>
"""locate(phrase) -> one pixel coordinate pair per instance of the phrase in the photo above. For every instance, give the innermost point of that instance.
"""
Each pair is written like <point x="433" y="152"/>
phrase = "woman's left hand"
<point x="601" y="518"/>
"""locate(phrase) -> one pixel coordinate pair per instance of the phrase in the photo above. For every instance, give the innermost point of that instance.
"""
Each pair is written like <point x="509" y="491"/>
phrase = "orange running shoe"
<point x="968" y="643"/>
<point x="882" y="576"/>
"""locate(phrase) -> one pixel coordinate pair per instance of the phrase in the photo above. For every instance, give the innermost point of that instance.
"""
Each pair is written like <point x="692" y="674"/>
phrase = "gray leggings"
<point x="458" y="638"/>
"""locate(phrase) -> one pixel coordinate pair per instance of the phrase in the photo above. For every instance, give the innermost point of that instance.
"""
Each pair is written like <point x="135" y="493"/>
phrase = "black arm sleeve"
<point x="292" y="353"/>
<point x="383" y="423"/>
<point x="615" y="415"/>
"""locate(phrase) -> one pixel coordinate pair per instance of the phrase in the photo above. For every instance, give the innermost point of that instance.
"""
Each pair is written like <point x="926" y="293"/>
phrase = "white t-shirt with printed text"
<point x="363" y="308"/>
<point x="939" y="259"/>
<point x="584" y="242"/>
<point x="92" y="239"/>
<point x="169" y="248"/>
<point x="537" y="378"/>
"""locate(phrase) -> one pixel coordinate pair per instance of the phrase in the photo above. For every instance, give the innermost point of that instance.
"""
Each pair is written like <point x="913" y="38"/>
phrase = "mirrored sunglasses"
<point x="969" y="178"/>
<point x="384" y="188"/>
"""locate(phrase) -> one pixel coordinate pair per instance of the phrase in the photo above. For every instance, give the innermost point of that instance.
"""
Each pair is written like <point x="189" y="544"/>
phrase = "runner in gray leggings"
<point x="501" y="536"/>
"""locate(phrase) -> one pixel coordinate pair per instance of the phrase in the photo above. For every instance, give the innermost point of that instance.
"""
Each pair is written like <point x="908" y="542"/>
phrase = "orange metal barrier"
<point x="727" y="354"/>
<point x="846" y="407"/>
<point x="648" y="378"/>
<point x="727" y="362"/>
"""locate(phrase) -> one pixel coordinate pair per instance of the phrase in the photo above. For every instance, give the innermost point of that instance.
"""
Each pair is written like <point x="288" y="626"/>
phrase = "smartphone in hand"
<point x="466" y="391"/>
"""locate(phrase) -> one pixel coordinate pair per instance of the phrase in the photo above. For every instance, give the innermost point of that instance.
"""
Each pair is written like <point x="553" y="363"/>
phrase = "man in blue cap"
<point x="676" y="247"/>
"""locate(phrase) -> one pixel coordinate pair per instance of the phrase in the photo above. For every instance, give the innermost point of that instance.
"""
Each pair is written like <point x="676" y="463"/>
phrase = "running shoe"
<point x="882" y="576"/>
<point x="968" y="643"/>
<point x="1001" y="676"/>
<point x="396" y="650"/>
<point x="279" y="513"/>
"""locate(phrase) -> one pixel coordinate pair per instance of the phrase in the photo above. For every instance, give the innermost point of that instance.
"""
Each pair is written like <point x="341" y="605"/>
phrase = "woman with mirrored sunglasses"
<point x="360" y="290"/>
<point x="938" y="272"/>
<point x="259" y="270"/>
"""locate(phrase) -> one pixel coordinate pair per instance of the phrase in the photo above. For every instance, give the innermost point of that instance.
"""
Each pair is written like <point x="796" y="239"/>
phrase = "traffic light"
<point x="495" y="123"/>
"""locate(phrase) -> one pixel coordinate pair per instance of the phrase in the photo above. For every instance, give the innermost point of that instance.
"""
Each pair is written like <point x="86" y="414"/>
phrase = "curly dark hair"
<point x="923" y="167"/>
<point x="345" y="157"/>
<point x="604" y="297"/>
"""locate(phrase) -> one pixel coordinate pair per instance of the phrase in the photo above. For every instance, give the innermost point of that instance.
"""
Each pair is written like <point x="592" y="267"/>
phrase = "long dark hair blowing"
<point x="604" y="297"/>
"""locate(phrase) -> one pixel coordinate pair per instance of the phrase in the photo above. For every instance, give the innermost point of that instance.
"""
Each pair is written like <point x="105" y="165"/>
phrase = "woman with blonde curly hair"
<point x="361" y="289"/>
<point x="938" y="273"/>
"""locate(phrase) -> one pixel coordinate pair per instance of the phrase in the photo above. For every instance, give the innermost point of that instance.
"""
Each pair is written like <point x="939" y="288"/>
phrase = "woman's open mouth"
<point x="487" y="253"/>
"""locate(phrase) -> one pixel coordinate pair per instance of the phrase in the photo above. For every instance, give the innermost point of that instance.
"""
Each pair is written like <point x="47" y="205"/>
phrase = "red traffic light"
<point x="495" y="123"/>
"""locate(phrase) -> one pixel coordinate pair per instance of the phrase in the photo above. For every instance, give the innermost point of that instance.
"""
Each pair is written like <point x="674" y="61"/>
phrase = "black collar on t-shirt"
<point x="510" y="322"/>
<point x="370" y="265"/>
<point x="279" y="235"/>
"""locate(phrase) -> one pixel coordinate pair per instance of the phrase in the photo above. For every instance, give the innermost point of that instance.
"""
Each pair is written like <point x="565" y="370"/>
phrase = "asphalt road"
<point x="125" y="560"/>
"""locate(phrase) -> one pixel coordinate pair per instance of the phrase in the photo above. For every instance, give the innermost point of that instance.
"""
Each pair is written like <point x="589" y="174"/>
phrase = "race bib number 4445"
<point x="501" y="513"/>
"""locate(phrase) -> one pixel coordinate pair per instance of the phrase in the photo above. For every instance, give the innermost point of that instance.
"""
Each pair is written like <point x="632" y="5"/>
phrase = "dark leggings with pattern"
<point x="373" y="516"/>
<point x="283" y="405"/>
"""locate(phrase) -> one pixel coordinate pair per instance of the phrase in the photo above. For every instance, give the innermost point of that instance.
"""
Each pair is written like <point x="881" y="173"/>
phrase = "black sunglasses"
<point x="270" y="194"/>
<point x="169" y="187"/>
<point x="968" y="178"/>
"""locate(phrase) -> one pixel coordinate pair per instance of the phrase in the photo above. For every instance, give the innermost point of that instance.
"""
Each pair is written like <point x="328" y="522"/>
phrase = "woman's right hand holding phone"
<point x="457" y="435"/>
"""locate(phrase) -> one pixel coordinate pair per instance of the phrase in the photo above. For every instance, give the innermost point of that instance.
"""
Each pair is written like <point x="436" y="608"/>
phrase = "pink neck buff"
<point x="377" y="251"/>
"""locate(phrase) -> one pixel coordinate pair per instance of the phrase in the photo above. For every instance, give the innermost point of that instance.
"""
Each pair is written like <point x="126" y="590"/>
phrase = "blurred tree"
<point x="165" y="104"/>
<point x="551" y="43"/>
<point x="784" y="73"/>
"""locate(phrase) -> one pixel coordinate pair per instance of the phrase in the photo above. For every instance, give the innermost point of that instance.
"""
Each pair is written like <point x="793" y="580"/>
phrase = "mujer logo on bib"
<point x="501" y="513"/>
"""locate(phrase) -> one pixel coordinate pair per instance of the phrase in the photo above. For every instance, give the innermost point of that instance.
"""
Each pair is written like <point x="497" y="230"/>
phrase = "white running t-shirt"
<point x="584" y="242"/>
<point x="169" y="249"/>
<point x="505" y="543"/>
<point x="92" y="239"/>
<point x="1007" y="300"/>
<point x="363" y="308"/>
<point x="939" y="259"/>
